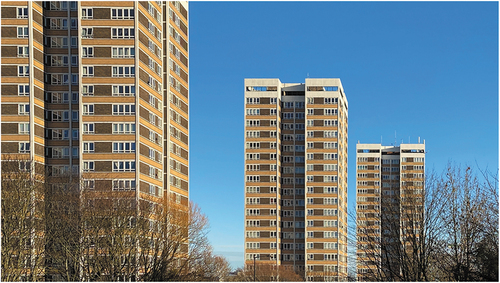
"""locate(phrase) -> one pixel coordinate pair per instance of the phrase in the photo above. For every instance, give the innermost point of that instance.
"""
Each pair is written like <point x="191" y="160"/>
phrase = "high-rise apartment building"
<point x="296" y="176"/>
<point x="389" y="199"/>
<point x="98" y="90"/>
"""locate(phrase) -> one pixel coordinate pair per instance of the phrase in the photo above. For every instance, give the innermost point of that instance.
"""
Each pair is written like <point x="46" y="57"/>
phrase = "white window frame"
<point x="22" y="32"/>
<point x="123" y="52"/>
<point x="23" y="70"/>
<point x="87" y="13"/>
<point x="123" y="71"/>
<point x="119" y="14"/>
<point x="23" y="51"/>
<point x="22" y="13"/>
<point x="24" y="147"/>
<point x="87" y="32"/>
<point x="88" y="128"/>
<point x="23" y="109"/>
<point x="23" y="90"/>
<point x="88" y="71"/>
<point x="88" y="109"/>
<point x="123" y="33"/>
<point x="124" y="166"/>
<point x="123" y="90"/>
<point x="124" y="109"/>
<point x="123" y="147"/>
<point x="87" y="51"/>
<point x="24" y="128"/>
<point x="88" y="90"/>
<point x="88" y="147"/>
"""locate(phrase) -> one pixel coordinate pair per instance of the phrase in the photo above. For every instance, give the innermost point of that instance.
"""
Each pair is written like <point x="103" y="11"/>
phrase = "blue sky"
<point x="409" y="70"/>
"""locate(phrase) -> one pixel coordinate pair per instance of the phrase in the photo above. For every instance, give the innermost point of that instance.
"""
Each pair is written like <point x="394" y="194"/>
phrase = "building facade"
<point x="389" y="203"/>
<point x="98" y="91"/>
<point x="296" y="176"/>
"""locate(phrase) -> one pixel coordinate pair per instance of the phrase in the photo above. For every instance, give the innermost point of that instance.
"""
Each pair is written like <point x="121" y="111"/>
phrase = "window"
<point x="87" y="13"/>
<point x="87" y="90"/>
<point x="88" y="128"/>
<point x="123" y="52"/>
<point x="24" y="128"/>
<point x="253" y="100"/>
<point x="123" y="147"/>
<point x="88" y="71"/>
<point x="88" y="109"/>
<point x="22" y="13"/>
<point x="22" y="32"/>
<point x="89" y="184"/>
<point x="121" y="71"/>
<point x="88" y="166"/>
<point x="331" y="100"/>
<point x="87" y="52"/>
<point x="124" y="128"/>
<point x="122" y="14"/>
<point x="75" y="134"/>
<point x="87" y="33"/>
<point x="23" y="90"/>
<point x="123" y="90"/>
<point x="330" y="123"/>
<point x="123" y="166"/>
<point x="24" y="147"/>
<point x="122" y="32"/>
<point x="23" y="51"/>
<point x="121" y="185"/>
<point x="330" y="156"/>
<point x="24" y="109"/>
<point x="57" y="97"/>
<point x="331" y="111"/>
<point x="88" y="147"/>
<point x="74" y="115"/>
<point x="123" y="109"/>
<point x="23" y="71"/>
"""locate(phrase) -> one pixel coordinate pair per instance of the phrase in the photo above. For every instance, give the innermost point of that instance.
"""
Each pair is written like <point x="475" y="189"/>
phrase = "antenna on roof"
<point x="308" y="75"/>
<point x="395" y="139"/>
<point x="418" y="139"/>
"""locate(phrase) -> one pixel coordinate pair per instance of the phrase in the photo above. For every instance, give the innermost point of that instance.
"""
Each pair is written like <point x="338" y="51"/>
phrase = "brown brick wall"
<point x="102" y="32"/>
<point x="102" y="71"/>
<point x="38" y="93"/>
<point x="103" y="109"/>
<point x="9" y="128"/>
<point x="9" y="12"/>
<point x="9" y="89"/>
<point x="38" y="74"/>
<point x="39" y="112"/>
<point x="102" y="52"/>
<point x="9" y="109"/>
<point x="103" y="147"/>
<point x="103" y="166"/>
<point x="103" y="128"/>
<point x="9" y="71"/>
<point x="37" y="17"/>
<point x="39" y="131"/>
<point x="10" y="147"/>
<point x="102" y="13"/>
<point x="9" y="31"/>
<point x="102" y="90"/>
<point x="9" y="51"/>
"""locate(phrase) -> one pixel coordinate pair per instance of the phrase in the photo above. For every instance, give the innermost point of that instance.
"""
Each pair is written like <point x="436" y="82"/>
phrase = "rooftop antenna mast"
<point x="395" y="139"/>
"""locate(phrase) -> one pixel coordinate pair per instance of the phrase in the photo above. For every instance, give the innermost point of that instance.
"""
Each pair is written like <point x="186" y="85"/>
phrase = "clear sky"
<point x="409" y="70"/>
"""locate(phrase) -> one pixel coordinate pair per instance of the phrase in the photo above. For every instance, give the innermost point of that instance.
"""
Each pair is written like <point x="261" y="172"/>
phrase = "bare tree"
<point x="23" y="236"/>
<point x="448" y="233"/>
<point x="267" y="272"/>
